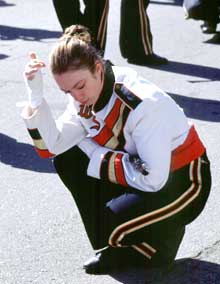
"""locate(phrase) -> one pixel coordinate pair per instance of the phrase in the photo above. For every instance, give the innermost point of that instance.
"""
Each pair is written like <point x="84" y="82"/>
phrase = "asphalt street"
<point x="42" y="239"/>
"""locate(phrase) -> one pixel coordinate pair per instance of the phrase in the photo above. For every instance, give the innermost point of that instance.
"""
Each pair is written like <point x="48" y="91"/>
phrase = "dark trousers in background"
<point x="135" y="33"/>
<point x="94" y="17"/>
<point x="207" y="10"/>
<point x="211" y="12"/>
<point x="151" y="223"/>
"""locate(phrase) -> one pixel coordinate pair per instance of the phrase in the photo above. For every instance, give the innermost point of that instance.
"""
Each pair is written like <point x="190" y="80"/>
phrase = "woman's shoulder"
<point x="130" y="84"/>
<point x="130" y="78"/>
<point x="123" y="74"/>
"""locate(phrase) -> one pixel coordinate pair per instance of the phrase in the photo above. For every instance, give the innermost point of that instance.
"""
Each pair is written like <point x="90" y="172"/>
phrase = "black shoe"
<point x="96" y="265"/>
<point x="113" y="259"/>
<point x="208" y="28"/>
<point x="152" y="59"/>
<point x="102" y="263"/>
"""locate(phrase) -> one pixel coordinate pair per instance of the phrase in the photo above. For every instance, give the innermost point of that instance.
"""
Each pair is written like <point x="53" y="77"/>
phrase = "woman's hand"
<point x="33" y="66"/>
<point x="33" y="80"/>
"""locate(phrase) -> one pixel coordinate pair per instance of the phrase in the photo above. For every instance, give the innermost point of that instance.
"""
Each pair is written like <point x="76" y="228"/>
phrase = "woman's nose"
<point x="78" y="95"/>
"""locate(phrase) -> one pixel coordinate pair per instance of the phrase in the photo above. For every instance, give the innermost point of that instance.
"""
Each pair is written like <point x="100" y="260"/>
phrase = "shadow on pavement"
<point x="202" y="109"/>
<point x="5" y="4"/>
<point x="13" y="33"/>
<point x="185" y="271"/>
<point x="3" y="56"/>
<point x="23" y="156"/>
<point x="206" y="72"/>
<point x="173" y="2"/>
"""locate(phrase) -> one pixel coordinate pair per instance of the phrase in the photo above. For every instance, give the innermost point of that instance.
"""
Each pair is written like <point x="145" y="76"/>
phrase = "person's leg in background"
<point x="211" y="16"/>
<point x="68" y="12"/>
<point x="136" y="41"/>
<point x="96" y="18"/>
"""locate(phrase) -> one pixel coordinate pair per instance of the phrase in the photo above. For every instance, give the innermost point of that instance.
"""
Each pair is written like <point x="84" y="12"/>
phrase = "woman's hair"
<point x="74" y="51"/>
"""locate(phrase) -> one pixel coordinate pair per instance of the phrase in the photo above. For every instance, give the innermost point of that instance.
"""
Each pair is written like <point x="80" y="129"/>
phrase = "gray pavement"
<point x="42" y="237"/>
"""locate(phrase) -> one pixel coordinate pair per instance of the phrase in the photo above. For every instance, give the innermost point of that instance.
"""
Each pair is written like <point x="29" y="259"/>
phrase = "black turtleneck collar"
<point x="108" y="86"/>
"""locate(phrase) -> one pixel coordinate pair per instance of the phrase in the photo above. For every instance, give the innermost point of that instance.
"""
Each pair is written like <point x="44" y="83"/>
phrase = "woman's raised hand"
<point x="33" y="66"/>
<point x="33" y="80"/>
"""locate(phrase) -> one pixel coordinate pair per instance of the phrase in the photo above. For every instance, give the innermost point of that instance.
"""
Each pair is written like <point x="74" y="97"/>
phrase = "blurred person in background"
<point x="211" y="17"/>
<point x="136" y="40"/>
<point x="205" y="10"/>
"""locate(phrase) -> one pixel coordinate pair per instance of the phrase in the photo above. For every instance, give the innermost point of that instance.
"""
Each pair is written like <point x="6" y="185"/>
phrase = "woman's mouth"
<point x="84" y="102"/>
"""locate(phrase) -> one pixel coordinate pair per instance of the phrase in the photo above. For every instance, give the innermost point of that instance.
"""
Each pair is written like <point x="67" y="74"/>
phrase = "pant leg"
<point x="151" y="223"/>
<point x="135" y="31"/>
<point x="90" y="194"/>
<point x="96" y="18"/>
<point x="68" y="12"/>
<point x="154" y="223"/>
<point x="211" y="13"/>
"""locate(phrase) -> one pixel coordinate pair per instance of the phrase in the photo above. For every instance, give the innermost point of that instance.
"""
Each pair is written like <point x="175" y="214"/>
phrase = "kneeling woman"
<point x="134" y="164"/>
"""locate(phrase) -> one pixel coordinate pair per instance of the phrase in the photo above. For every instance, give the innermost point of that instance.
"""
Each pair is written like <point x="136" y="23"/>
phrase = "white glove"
<point x="88" y="146"/>
<point x="35" y="89"/>
<point x="33" y="80"/>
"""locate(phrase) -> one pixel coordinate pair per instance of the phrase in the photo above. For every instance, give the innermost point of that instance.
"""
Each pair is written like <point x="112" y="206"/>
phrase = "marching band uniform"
<point x="139" y="173"/>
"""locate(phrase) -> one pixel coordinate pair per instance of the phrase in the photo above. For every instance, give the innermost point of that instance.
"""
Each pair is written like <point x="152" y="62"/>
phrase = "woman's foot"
<point x="113" y="259"/>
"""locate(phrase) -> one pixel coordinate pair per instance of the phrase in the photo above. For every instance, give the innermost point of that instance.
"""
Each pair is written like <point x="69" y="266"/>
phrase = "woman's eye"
<point x="81" y="87"/>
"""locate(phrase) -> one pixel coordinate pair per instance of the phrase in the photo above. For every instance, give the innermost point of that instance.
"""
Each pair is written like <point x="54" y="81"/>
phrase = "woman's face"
<point x="84" y="86"/>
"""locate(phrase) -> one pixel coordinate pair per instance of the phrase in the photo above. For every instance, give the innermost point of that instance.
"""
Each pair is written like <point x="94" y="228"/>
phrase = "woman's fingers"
<point x="31" y="71"/>
<point x="30" y="77"/>
<point x="33" y="66"/>
<point x="32" y="55"/>
<point x="35" y="60"/>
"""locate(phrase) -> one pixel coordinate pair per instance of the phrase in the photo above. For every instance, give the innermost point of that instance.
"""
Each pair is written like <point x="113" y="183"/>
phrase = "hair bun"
<point x="77" y="32"/>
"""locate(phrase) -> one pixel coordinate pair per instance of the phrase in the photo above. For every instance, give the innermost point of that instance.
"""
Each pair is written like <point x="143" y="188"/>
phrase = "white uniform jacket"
<point x="132" y="117"/>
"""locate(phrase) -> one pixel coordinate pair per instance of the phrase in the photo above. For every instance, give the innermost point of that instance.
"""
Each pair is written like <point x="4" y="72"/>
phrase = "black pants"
<point x="135" y="33"/>
<point x="203" y="10"/>
<point x="211" y="11"/>
<point x="151" y="223"/>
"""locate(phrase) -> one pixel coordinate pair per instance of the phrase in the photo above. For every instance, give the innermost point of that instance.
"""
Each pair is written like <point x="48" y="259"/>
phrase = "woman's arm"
<point x="152" y="134"/>
<point x="50" y="137"/>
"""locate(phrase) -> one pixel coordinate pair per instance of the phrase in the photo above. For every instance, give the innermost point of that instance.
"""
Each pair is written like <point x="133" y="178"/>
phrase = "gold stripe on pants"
<point x="145" y="249"/>
<point x="103" y="25"/>
<point x="160" y="214"/>
<point x="144" y="28"/>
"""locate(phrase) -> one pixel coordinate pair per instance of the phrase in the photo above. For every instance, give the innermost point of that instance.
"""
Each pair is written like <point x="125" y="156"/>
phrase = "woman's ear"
<point x="98" y="67"/>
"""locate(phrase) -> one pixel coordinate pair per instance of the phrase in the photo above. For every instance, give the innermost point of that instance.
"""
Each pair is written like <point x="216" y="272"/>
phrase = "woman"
<point x="134" y="164"/>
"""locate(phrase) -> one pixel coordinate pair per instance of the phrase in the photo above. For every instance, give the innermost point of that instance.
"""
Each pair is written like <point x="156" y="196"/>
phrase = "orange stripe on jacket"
<point x="106" y="133"/>
<point x="191" y="149"/>
<point x="119" y="170"/>
<point x="44" y="153"/>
